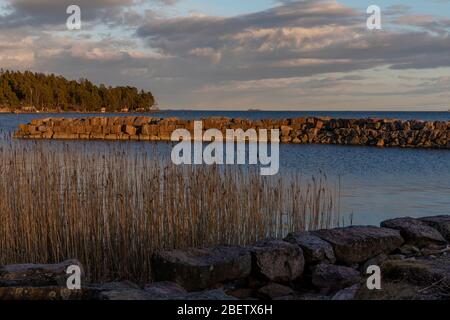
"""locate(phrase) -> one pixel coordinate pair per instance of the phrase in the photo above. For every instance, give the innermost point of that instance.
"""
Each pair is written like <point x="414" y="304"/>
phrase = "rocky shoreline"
<point x="412" y="254"/>
<point x="365" y="132"/>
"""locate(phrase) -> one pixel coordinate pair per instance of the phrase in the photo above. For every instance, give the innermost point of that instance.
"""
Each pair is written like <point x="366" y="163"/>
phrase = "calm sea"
<point x="376" y="184"/>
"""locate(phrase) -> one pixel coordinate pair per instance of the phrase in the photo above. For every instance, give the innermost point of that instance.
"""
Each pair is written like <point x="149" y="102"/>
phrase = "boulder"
<point x="358" y="244"/>
<point x="200" y="268"/>
<point x="440" y="223"/>
<point x="274" y="291"/>
<point x="329" y="277"/>
<point x="277" y="260"/>
<point x="347" y="293"/>
<point x="414" y="231"/>
<point x="36" y="275"/>
<point x="315" y="250"/>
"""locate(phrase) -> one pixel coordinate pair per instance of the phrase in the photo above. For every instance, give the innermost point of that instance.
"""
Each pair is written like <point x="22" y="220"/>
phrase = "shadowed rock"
<point x="375" y="261"/>
<point x="315" y="250"/>
<point x="331" y="278"/>
<point x="277" y="260"/>
<point x="200" y="268"/>
<point x="36" y="275"/>
<point x="358" y="244"/>
<point x="347" y="293"/>
<point x="420" y="271"/>
<point x="415" y="231"/>
<point x="440" y="223"/>
<point x="274" y="290"/>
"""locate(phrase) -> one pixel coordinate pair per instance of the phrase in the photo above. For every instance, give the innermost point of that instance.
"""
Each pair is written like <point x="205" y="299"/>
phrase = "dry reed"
<point x="113" y="207"/>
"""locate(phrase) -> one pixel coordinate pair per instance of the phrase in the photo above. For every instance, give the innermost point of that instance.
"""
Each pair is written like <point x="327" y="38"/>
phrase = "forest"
<point x="48" y="92"/>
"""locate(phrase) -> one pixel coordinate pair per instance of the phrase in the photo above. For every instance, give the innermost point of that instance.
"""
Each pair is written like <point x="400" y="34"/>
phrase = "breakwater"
<point x="311" y="130"/>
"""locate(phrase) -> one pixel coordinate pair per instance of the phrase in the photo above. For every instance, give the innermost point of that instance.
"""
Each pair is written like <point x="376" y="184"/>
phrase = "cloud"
<point x="39" y="13"/>
<point x="440" y="26"/>
<point x="294" y="39"/>
<point x="314" y="49"/>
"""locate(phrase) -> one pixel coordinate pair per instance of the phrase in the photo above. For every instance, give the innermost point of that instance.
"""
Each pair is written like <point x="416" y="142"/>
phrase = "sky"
<point x="237" y="55"/>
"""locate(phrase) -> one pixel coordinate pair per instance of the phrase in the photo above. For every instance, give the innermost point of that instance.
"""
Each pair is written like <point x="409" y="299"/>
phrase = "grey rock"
<point x="277" y="260"/>
<point x="440" y="223"/>
<point x="315" y="249"/>
<point x="36" y="275"/>
<point x="331" y="278"/>
<point x="359" y="243"/>
<point x="375" y="261"/>
<point x="274" y="291"/>
<point x="200" y="268"/>
<point x="415" y="232"/>
<point x="347" y="293"/>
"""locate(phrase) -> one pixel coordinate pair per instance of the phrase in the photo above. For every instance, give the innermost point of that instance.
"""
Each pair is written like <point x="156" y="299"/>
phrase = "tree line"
<point x="42" y="92"/>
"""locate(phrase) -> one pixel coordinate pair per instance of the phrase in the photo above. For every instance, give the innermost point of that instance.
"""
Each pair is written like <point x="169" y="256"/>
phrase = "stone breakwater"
<point x="365" y="132"/>
<point x="413" y="256"/>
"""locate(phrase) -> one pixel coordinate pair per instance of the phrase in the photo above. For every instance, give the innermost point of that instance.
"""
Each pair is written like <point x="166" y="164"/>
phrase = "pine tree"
<point x="49" y="92"/>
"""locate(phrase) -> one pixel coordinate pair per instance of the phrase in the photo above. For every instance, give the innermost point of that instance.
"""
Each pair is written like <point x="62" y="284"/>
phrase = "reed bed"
<point x="112" y="206"/>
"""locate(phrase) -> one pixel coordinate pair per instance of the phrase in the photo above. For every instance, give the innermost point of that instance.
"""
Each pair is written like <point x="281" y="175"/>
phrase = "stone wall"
<point x="413" y="256"/>
<point x="370" y="132"/>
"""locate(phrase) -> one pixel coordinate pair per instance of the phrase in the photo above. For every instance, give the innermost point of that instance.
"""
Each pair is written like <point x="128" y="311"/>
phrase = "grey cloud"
<point x="299" y="14"/>
<point x="245" y="59"/>
<point x="33" y="13"/>
<point x="431" y="24"/>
